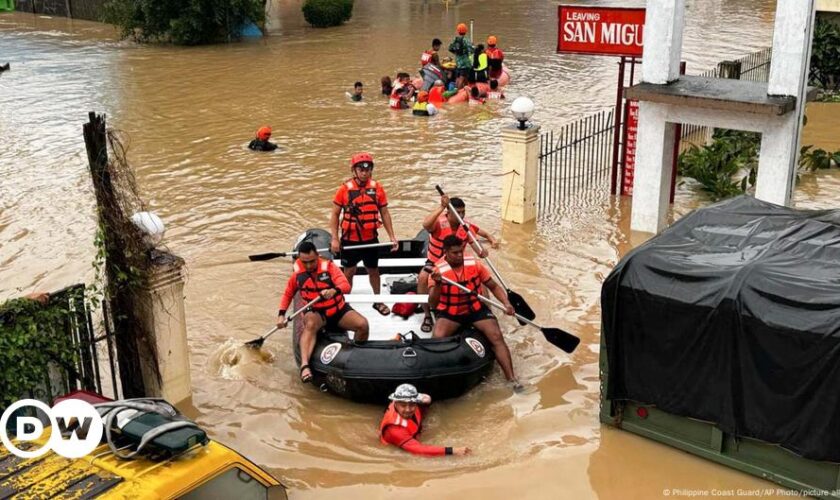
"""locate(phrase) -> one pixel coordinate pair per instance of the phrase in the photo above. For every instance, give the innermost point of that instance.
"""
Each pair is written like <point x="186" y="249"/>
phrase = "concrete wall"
<point x="78" y="9"/>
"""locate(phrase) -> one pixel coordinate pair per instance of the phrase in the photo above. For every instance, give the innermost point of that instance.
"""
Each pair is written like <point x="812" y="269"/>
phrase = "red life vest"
<point x="426" y="57"/>
<point x="391" y="417"/>
<point x="454" y="301"/>
<point x="436" y="96"/>
<point x="494" y="61"/>
<point x="435" y="252"/>
<point x="311" y="284"/>
<point x="395" y="102"/>
<point x="362" y="214"/>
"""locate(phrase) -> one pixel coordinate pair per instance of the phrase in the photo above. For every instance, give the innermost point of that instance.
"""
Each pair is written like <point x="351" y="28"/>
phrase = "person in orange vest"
<point x="426" y="56"/>
<point x="440" y="224"/>
<point x="361" y="205"/>
<point x="456" y="309"/>
<point x="495" y="57"/>
<point x="403" y="421"/>
<point x="495" y="92"/>
<point x="261" y="141"/>
<point x="314" y="277"/>
<point x="402" y="92"/>
<point x="436" y="94"/>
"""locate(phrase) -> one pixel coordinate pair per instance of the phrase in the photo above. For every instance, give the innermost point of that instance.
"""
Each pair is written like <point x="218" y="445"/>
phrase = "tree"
<point x="183" y="22"/>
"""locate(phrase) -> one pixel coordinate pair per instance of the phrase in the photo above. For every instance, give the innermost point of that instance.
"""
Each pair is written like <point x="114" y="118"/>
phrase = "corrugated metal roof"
<point x="50" y="475"/>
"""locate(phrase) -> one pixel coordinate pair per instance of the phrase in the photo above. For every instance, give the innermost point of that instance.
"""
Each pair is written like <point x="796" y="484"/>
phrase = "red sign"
<point x="630" y="148"/>
<point x="612" y="31"/>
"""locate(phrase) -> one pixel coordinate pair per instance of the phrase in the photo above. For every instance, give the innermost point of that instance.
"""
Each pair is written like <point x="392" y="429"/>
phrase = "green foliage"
<point x="825" y="55"/>
<point x="31" y="338"/>
<point x="183" y="22"/>
<point x="817" y="159"/>
<point x="326" y="13"/>
<point x="716" y="166"/>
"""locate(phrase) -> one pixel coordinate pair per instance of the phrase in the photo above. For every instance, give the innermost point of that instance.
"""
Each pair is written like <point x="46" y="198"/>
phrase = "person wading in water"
<point x="403" y="421"/>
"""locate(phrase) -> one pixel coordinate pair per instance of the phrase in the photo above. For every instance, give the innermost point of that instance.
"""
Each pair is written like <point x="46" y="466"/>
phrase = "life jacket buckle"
<point x="408" y="352"/>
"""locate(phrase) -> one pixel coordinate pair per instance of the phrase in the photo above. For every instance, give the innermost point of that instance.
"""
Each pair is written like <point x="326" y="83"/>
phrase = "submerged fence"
<point x="575" y="158"/>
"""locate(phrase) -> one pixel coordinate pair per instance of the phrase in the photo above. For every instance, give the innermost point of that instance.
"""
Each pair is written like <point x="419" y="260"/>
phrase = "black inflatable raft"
<point x="369" y="372"/>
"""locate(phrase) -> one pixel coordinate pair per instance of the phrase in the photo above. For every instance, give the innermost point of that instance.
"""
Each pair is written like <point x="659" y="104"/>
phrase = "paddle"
<point x="257" y="343"/>
<point x="269" y="256"/>
<point x="560" y="338"/>
<point x="517" y="301"/>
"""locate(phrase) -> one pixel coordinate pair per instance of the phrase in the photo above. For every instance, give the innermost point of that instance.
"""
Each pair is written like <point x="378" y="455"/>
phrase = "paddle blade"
<point x="563" y="340"/>
<point x="265" y="256"/>
<point x="521" y="307"/>
<point x="256" y="343"/>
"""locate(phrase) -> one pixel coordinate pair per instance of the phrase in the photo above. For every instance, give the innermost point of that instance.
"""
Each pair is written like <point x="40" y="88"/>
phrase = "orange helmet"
<point x="365" y="158"/>
<point x="264" y="133"/>
<point x="423" y="96"/>
<point x="491" y="40"/>
<point x="461" y="29"/>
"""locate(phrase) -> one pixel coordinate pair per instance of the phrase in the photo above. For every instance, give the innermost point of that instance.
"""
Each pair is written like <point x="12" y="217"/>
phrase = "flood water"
<point x="187" y="115"/>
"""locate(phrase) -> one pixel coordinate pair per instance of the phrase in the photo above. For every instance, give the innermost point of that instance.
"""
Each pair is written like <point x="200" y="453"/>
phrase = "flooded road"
<point x="187" y="115"/>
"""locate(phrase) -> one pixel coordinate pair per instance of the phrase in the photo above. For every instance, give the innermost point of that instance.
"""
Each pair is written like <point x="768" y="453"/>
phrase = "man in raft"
<point x="362" y="206"/>
<point x="440" y="224"/>
<point x="403" y="421"/>
<point x="314" y="277"/>
<point x="455" y="308"/>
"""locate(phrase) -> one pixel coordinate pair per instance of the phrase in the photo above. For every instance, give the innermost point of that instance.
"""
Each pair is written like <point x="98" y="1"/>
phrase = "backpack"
<point x="405" y="310"/>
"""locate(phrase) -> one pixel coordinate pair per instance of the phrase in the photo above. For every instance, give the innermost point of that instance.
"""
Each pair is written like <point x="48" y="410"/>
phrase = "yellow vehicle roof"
<point x="103" y="474"/>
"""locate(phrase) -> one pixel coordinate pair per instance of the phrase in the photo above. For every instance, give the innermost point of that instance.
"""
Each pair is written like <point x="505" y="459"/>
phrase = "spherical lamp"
<point x="151" y="226"/>
<point x="522" y="109"/>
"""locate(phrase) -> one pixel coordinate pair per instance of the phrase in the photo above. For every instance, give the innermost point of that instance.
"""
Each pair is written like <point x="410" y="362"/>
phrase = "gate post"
<point x="161" y="308"/>
<point x="520" y="170"/>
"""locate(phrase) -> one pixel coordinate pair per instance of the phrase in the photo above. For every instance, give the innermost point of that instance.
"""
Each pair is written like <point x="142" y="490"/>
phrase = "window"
<point x="233" y="483"/>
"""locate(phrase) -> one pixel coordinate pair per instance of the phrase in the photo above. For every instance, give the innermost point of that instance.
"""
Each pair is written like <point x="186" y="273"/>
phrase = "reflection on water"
<point x="188" y="114"/>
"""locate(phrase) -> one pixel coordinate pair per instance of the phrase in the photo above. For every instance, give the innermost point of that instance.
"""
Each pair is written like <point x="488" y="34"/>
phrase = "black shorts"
<point x="331" y="323"/>
<point x="368" y="256"/>
<point x="468" y="319"/>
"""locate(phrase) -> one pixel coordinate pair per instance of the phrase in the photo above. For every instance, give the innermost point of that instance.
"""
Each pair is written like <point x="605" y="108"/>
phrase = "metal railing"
<point x="575" y="158"/>
<point x="94" y="354"/>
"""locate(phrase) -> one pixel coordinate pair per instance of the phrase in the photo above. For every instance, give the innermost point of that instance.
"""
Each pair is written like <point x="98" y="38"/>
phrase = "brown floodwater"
<point x="187" y="115"/>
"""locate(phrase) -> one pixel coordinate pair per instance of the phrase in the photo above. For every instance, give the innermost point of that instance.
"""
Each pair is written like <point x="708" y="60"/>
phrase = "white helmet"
<point x="405" y="393"/>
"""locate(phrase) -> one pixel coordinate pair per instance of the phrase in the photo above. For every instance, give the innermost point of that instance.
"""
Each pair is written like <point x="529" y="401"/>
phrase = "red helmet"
<point x="264" y="133"/>
<point x="364" y="158"/>
<point x="461" y="29"/>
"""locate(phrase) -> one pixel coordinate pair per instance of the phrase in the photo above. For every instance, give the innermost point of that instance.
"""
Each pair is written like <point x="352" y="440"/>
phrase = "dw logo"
<point x="81" y="439"/>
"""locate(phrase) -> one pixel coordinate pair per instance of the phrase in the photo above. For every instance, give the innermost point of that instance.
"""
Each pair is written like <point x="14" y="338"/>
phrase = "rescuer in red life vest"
<point x="403" y="421"/>
<point x="495" y="57"/>
<point x="362" y="207"/>
<point x="440" y="224"/>
<point x="455" y="308"/>
<point x="313" y="276"/>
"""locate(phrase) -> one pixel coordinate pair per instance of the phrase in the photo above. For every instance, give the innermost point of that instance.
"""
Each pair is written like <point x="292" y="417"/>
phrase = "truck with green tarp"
<point x="721" y="337"/>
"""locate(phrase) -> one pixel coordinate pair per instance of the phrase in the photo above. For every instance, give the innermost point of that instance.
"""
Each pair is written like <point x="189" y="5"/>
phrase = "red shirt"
<point x="396" y="435"/>
<point x="342" y="199"/>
